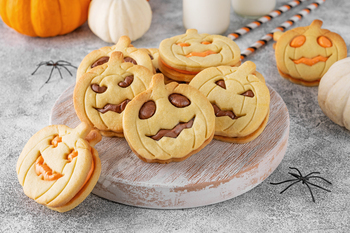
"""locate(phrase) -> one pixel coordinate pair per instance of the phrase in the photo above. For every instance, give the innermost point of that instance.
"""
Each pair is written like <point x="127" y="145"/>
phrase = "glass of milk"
<point x="207" y="16"/>
<point x="253" y="8"/>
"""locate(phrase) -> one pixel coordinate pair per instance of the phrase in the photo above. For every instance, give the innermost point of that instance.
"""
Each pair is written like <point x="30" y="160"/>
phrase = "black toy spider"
<point x="55" y="65"/>
<point x="305" y="180"/>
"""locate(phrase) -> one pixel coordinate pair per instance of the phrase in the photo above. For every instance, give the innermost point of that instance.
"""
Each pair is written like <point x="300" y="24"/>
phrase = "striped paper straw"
<point x="264" y="19"/>
<point x="281" y="28"/>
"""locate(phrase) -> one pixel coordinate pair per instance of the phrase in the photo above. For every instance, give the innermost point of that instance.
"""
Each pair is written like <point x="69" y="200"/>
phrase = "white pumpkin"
<point x="334" y="93"/>
<point x="111" y="19"/>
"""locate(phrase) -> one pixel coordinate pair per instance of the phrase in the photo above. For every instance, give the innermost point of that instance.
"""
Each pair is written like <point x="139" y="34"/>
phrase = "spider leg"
<point x="40" y="64"/>
<point x="317" y="186"/>
<point x="296" y="169"/>
<point x="320" y="178"/>
<point x="311" y="174"/>
<point x="50" y="75"/>
<point x="283" y="182"/>
<point x="289" y="186"/>
<point x="65" y="63"/>
<point x="295" y="175"/>
<point x="59" y="70"/>
<point x="67" y="70"/>
<point x="308" y="186"/>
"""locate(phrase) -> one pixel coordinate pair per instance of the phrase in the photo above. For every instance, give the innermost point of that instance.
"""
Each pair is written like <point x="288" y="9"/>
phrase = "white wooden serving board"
<point x="217" y="173"/>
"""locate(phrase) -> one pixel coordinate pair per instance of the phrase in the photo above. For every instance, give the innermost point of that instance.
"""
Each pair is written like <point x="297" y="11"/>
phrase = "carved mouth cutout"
<point x="118" y="108"/>
<point x="43" y="170"/>
<point x="174" y="132"/>
<point x="219" y="113"/>
<point x="310" y="61"/>
<point x="201" y="54"/>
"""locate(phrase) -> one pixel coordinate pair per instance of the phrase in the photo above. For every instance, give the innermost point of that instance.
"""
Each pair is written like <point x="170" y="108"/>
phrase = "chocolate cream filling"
<point x="173" y="133"/>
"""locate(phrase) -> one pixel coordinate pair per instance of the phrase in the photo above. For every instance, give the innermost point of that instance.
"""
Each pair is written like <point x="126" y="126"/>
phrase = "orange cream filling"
<point x="48" y="175"/>
<point x="201" y="54"/>
<point x="310" y="61"/>
<point x="178" y="70"/>
<point x="45" y="171"/>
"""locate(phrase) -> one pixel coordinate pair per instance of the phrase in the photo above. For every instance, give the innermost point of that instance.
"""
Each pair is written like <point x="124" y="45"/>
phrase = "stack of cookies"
<point x="201" y="93"/>
<point x="167" y="103"/>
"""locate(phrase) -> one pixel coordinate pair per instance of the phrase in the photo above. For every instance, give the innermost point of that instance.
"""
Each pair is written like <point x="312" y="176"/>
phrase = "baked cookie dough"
<point x="59" y="166"/>
<point x="168" y="122"/>
<point x="182" y="57"/>
<point x="102" y="55"/>
<point x="304" y="54"/>
<point x="240" y="100"/>
<point x="101" y="95"/>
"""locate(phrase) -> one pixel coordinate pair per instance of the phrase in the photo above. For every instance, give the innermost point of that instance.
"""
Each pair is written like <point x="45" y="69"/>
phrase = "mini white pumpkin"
<point x="334" y="94"/>
<point x="111" y="19"/>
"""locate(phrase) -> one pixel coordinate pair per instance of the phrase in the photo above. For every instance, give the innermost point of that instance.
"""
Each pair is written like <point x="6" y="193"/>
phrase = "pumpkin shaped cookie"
<point x="168" y="122"/>
<point x="101" y="95"/>
<point x="240" y="99"/>
<point x="182" y="57"/>
<point x="102" y="55"/>
<point x="304" y="54"/>
<point x="59" y="166"/>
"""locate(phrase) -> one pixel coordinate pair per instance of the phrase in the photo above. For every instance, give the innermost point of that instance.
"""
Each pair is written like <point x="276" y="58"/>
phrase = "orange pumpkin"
<point x="44" y="18"/>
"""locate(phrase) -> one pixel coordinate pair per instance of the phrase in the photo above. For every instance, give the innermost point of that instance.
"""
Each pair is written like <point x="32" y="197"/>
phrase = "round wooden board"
<point x="217" y="173"/>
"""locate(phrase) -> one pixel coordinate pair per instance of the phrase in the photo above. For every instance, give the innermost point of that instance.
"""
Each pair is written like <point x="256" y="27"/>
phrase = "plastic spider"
<point x="305" y="180"/>
<point x="55" y="65"/>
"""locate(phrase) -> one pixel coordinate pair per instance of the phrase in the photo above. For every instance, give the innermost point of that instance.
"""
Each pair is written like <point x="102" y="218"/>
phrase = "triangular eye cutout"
<point x="221" y="83"/>
<point x="131" y="60"/>
<point x="248" y="94"/>
<point x="98" y="89"/>
<point x="100" y="61"/>
<point x="127" y="81"/>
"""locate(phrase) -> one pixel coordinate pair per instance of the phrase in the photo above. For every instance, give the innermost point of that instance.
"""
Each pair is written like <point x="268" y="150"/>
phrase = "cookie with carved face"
<point x="101" y="95"/>
<point x="102" y="55"/>
<point x="59" y="166"/>
<point x="240" y="100"/>
<point x="304" y="54"/>
<point x="168" y="122"/>
<point x="182" y="57"/>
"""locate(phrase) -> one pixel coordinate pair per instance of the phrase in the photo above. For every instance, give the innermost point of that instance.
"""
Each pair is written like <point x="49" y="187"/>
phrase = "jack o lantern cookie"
<point x="102" y="55"/>
<point x="59" y="166"/>
<point x="304" y="54"/>
<point x="101" y="95"/>
<point x="182" y="57"/>
<point x="240" y="100"/>
<point x="168" y="122"/>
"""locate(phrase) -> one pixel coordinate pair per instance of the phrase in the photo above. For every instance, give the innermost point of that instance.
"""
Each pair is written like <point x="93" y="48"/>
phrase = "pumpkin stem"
<point x="316" y="23"/>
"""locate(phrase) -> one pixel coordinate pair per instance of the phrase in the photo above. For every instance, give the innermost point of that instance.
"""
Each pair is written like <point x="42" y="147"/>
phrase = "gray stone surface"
<point x="315" y="142"/>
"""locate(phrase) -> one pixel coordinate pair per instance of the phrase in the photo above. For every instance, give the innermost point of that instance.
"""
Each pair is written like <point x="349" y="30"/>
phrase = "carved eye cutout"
<point x="183" y="44"/>
<point x="100" y="61"/>
<point x="248" y="94"/>
<point x="56" y="140"/>
<point x="298" y="41"/>
<point x="221" y="83"/>
<point x="127" y="81"/>
<point x="131" y="60"/>
<point x="147" y="110"/>
<point x="96" y="88"/>
<point x="179" y="100"/>
<point x="206" y="42"/>
<point x="324" y="42"/>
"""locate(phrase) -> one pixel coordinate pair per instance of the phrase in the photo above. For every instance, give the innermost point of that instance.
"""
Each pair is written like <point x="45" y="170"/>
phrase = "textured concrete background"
<point x="315" y="143"/>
